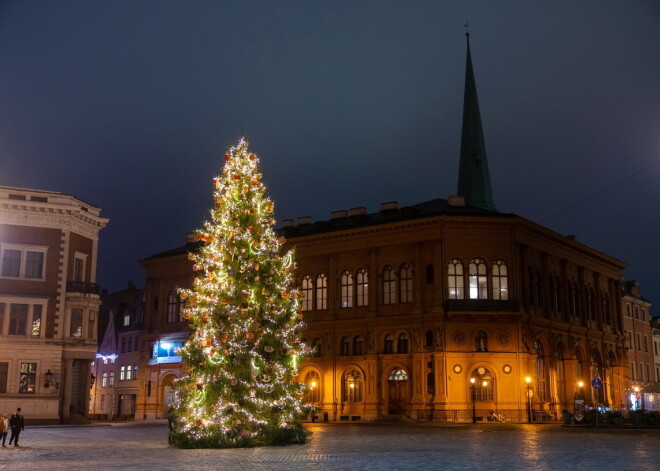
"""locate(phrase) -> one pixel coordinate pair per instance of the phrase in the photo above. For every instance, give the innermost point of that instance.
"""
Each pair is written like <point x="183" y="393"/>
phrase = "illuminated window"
<point x="353" y="386"/>
<point x="405" y="284"/>
<point x="478" y="279"/>
<point x="122" y="373"/>
<point x="500" y="280"/>
<point x="104" y="379"/>
<point x="75" y="329"/>
<point x="321" y="292"/>
<point x="455" y="280"/>
<point x="389" y="285"/>
<point x="36" y="320"/>
<point x="307" y="293"/>
<point x="484" y="385"/>
<point x="362" y="282"/>
<point x="28" y="378"/>
<point x="346" y="289"/>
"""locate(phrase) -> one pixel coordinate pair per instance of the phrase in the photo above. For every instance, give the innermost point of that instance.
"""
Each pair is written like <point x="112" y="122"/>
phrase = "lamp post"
<point x="528" y="380"/>
<point x="474" y="412"/>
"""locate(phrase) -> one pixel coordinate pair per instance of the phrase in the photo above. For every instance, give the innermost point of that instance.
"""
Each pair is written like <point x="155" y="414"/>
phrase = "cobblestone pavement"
<point x="383" y="447"/>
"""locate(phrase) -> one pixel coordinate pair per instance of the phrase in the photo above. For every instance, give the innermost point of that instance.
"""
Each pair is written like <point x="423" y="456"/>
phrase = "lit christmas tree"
<point x="238" y="388"/>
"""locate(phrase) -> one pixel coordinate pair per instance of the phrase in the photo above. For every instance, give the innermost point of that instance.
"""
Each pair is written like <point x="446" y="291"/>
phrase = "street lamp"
<point x="528" y="380"/>
<point x="474" y="412"/>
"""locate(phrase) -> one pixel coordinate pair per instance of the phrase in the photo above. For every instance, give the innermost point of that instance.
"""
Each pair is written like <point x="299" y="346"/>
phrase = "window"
<point x="321" y="292"/>
<point x="481" y="341"/>
<point x="389" y="285"/>
<point x="104" y="379"/>
<point x="4" y="370"/>
<point x="122" y="373"/>
<point x="111" y="377"/>
<point x="402" y="345"/>
<point x="636" y="309"/>
<point x="317" y="347"/>
<point x="540" y="371"/>
<point x="18" y="319"/>
<point x="500" y="280"/>
<point x="28" y="378"/>
<point x="123" y="345"/>
<point x="388" y="344"/>
<point x="307" y="293"/>
<point x="345" y="346"/>
<point x="646" y="343"/>
<point x="483" y="387"/>
<point x="362" y="280"/>
<point x="346" y="289"/>
<point x="127" y="319"/>
<point x="36" y="320"/>
<point x="102" y="401"/>
<point x="628" y="310"/>
<point x="405" y="284"/>
<point x="79" y="268"/>
<point x="353" y="386"/>
<point x="639" y="342"/>
<point x="75" y="329"/>
<point x="478" y="279"/>
<point x="358" y="345"/>
<point x="129" y="346"/>
<point x="429" y="338"/>
<point x="455" y="279"/>
<point x="135" y="370"/>
<point x="313" y="383"/>
<point x="23" y="262"/>
<point x="172" y="307"/>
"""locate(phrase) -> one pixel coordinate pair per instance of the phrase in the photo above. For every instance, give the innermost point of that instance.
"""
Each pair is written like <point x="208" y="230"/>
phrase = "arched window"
<point x="358" y="345"/>
<point x="402" y="345"/>
<point x="313" y="383"/>
<point x="317" y="347"/>
<point x="500" y="277"/>
<point x="389" y="285"/>
<point x="397" y="374"/>
<point x="430" y="383"/>
<point x="346" y="289"/>
<point x="321" y="292"/>
<point x="172" y="307"/>
<point x="353" y="386"/>
<point x="405" y="284"/>
<point x="345" y="346"/>
<point x="478" y="279"/>
<point x="483" y="387"/>
<point x="429" y="338"/>
<point x="362" y="280"/>
<point x="307" y="293"/>
<point x="481" y="341"/>
<point x="540" y="371"/>
<point x="430" y="274"/>
<point x="455" y="280"/>
<point x="388" y="344"/>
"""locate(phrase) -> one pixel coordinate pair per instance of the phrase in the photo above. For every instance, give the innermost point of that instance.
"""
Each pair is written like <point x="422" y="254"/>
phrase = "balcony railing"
<point x="82" y="287"/>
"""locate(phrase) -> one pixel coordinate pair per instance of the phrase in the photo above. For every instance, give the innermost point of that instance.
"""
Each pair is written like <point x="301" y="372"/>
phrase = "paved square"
<point x="407" y="446"/>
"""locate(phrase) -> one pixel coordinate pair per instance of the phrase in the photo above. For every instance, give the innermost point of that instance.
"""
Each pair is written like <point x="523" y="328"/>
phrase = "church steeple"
<point x="473" y="175"/>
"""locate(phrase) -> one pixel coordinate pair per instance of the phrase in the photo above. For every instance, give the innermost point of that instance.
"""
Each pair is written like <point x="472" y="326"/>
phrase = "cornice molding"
<point x="34" y="216"/>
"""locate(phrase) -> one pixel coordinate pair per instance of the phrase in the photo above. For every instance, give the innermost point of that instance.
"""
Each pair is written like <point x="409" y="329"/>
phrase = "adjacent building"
<point x="49" y="302"/>
<point x="433" y="310"/>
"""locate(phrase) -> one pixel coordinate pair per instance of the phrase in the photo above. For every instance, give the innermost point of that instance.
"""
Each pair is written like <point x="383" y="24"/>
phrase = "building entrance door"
<point x="397" y="392"/>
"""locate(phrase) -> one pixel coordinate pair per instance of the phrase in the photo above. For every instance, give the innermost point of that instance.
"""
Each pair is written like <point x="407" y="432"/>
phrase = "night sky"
<point x="129" y="105"/>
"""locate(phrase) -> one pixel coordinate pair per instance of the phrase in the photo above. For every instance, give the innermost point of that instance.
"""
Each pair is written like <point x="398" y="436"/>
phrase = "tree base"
<point x="296" y="435"/>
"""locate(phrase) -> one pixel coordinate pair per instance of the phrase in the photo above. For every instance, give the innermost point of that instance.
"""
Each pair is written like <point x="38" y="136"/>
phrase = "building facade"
<point x="445" y="310"/>
<point x="49" y="302"/>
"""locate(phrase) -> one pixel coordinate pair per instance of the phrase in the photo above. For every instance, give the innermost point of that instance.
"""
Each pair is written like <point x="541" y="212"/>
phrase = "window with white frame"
<point x="500" y="279"/>
<point x="362" y="283"/>
<point x="104" y="379"/>
<point x="122" y="373"/>
<point x="455" y="281"/>
<point x="28" y="378"/>
<point x="307" y="293"/>
<point x="405" y="284"/>
<point x="22" y="261"/>
<point x="79" y="261"/>
<point x="321" y="292"/>
<point x="478" y="279"/>
<point x="76" y="327"/>
<point x="346" y="289"/>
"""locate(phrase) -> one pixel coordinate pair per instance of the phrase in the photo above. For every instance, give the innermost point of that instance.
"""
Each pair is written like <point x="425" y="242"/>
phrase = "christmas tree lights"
<point x="239" y="385"/>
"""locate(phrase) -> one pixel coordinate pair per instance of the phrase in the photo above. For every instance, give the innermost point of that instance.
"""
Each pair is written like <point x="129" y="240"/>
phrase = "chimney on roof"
<point x="455" y="200"/>
<point x="359" y="211"/>
<point x="287" y="223"/>
<point x="304" y="220"/>
<point x="388" y="206"/>
<point x="339" y="214"/>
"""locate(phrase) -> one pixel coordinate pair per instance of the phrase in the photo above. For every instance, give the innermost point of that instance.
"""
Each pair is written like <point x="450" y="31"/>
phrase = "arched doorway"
<point x="397" y="391"/>
<point x="169" y="394"/>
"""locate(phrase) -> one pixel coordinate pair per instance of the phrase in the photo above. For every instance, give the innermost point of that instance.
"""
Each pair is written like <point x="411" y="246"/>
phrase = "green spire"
<point x="473" y="176"/>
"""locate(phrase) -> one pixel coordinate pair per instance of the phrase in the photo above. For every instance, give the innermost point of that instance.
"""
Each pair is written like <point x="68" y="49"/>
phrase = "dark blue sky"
<point x="129" y="104"/>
